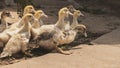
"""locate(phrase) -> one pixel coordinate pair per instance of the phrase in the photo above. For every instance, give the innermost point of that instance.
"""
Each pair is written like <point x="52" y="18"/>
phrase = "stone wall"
<point x="113" y="4"/>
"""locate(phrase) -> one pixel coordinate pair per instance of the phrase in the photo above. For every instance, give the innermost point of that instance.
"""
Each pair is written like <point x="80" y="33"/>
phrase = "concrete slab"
<point x="84" y="56"/>
<point x="109" y="38"/>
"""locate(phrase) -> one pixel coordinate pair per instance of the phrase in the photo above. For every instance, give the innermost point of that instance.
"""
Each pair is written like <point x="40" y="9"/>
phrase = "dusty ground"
<point x="103" y="31"/>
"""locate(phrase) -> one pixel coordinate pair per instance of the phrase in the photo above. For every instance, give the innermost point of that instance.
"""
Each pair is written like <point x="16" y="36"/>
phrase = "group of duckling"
<point x="30" y="27"/>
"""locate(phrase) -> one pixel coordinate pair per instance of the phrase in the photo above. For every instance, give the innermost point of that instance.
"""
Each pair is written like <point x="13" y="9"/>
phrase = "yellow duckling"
<point x="36" y="25"/>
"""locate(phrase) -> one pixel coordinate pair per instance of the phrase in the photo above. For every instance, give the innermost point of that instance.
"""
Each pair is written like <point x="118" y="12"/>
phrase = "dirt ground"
<point x="103" y="31"/>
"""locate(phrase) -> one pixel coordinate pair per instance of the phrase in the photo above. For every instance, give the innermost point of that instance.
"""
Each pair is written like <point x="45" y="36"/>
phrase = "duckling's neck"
<point x="41" y="22"/>
<point x="37" y="23"/>
<point x="36" y="16"/>
<point x="25" y="26"/>
<point x="60" y="23"/>
<point x="75" y="22"/>
<point x="3" y="19"/>
<point x="22" y="22"/>
<point x="25" y="12"/>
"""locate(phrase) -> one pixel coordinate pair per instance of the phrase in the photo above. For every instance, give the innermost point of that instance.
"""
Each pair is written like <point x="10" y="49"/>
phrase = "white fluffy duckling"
<point x="70" y="36"/>
<point x="62" y="23"/>
<point x="39" y="14"/>
<point x="76" y="14"/>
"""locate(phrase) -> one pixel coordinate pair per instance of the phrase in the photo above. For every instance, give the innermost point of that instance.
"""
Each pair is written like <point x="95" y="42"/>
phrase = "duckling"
<point x="70" y="37"/>
<point x="3" y="21"/>
<point x="39" y="14"/>
<point x="19" y="42"/>
<point x="13" y="46"/>
<point x="37" y="23"/>
<point x="62" y="23"/>
<point x="26" y="28"/>
<point x="76" y="14"/>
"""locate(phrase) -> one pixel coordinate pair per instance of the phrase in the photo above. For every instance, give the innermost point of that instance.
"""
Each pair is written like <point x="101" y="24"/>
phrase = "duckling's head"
<point x="28" y="17"/>
<point x="4" y="54"/>
<point x="81" y="28"/>
<point x="64" y="12"/>
<point x="39" y="13"/>
<point x="77" y="13"/>
<point x="29" y="9"/>
<point x="6" y="13"/>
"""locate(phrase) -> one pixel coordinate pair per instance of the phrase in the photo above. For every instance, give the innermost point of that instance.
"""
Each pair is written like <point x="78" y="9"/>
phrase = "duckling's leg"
<point x="62" y="52"/>
<point x="10" y="58"/>
<point x="6" y="25"/>
<point x="25" y="50"/>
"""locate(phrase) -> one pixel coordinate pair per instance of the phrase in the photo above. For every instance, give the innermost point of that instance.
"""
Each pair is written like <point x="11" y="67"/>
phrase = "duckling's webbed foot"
<point x="10" y="58"/>
<point x="66" y="33"/>
<point x="63" y="52"/>
<point x="27" y="53"/>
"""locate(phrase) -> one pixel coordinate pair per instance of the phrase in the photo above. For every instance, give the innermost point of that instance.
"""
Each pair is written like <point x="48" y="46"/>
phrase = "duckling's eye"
<point x="78" y="12"/>
<point x="29" y="16"/>
<point x="65" y="10"/>
<point x="79" y="29"/>
<point x="30" y="7"/>
<point x="41" y="12"/>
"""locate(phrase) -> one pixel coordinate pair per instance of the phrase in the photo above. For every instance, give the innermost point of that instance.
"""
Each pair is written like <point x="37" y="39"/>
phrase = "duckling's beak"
<point x="45" y="15"/>
<point x="33" y="11"/>
<point x="70" y="13"/>
<point x="81" y="14"/>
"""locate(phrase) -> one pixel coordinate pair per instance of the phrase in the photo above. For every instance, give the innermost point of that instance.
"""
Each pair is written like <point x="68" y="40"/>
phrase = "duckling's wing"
<point x="46" y="35"/>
